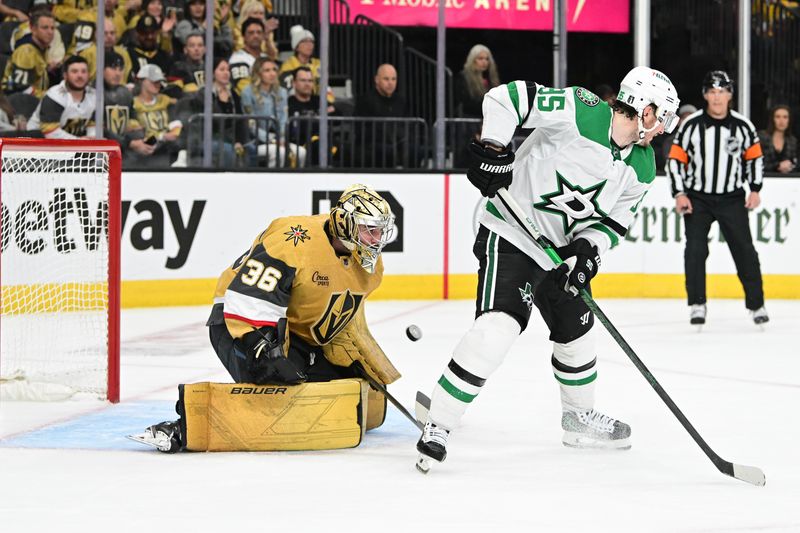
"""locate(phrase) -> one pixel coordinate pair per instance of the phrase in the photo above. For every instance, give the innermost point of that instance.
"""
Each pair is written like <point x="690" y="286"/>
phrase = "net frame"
<point x="52" y="147"/>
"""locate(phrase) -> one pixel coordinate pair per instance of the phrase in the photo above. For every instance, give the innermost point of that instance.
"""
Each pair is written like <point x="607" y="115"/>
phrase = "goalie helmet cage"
<point x="59" y="268"/>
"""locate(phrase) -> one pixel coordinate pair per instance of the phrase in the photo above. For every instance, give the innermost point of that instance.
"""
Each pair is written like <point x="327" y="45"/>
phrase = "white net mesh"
<point x="54" y="319"/>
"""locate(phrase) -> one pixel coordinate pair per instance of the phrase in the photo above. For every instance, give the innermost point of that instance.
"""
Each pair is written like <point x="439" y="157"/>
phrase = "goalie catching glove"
<point x="587" y="262"/>
<point x="266" y="358"/>
<point x="490" y="170"/>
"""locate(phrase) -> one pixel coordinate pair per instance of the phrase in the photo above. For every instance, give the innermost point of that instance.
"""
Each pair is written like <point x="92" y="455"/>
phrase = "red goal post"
<point x="59" y="268"/>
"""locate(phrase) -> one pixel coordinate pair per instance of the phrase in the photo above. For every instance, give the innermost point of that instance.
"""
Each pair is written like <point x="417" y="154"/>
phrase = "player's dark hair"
<point x="249" y="21"/>
<point x="623" y="108"/>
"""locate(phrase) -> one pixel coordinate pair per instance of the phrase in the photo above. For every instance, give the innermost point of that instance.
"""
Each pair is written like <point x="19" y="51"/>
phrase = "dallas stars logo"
<point x="573" y="203"/>
<point x="527" y="295"/>
<point x="297" y="233"/>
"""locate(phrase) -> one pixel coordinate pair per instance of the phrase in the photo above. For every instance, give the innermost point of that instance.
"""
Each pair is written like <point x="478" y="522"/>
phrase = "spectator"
<point x="83" y="36"/>
<point x="229" y="137"/>
<point x="387" y="146"/>
<point x="255" y="9"/>
<point x="155" y="112"/>
<point x="6" y="12"/>
<point x="188" y="76"/>
<point x="109" y="41"/>
<point x="120" y="123"/>
<point x="55" y="52"/>
<point x="304" y="103"/>
<point x="27" y="69"/>
<point x="479" y="75"/>
<point x="241" y="62"/>
<point x="195" y="22"/>
<point x="303" y="47"/>
<point x="265" y="97"/>
<point x="146" y="51"/>
<point x="165" y="22"/>
<point x="778" y="143"/>
<point x="663" y="143"/>
<point x="9" y="120"/>
<point x="67" y="109"/>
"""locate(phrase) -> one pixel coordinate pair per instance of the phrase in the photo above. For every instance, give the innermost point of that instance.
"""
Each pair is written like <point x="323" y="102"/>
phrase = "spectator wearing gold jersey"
<point x="27" y="69"/>
<point x="156" y="113"/>
<point x="67" y="109"/>
<point x="109" y="42"/>
<point x="83" y="36"/>
<point x="303" y="47"/>
<point x="241" y="61"/>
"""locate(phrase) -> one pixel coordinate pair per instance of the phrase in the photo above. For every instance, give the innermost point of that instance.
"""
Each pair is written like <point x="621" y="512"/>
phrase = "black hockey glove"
<point x="587" y="263"/>
<point x="489" y="170"/>
<point x="266" y="360"/>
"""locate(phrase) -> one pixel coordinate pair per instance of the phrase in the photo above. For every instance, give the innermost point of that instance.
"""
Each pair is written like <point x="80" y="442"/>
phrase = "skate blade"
<point x="148" y="440"/>
<point x="424" y="463"/>
<point x="577" y="440"/>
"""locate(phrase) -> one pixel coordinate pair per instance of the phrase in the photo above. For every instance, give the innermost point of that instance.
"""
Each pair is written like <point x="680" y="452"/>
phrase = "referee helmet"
<point x="717" y="79"/>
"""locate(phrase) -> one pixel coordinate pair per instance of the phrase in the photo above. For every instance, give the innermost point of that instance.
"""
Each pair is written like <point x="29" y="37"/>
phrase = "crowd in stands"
<point x="265" y="100"/>
<point x="154" y="76"/>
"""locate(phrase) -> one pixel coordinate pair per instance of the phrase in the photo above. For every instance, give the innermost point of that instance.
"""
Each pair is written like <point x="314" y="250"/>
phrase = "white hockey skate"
<point x="697" y="315"/>
<point x="165" y="436"/>
<point x="592" y="429"/>
<point x="760" y="316"/>
<point x="431" y="446"/>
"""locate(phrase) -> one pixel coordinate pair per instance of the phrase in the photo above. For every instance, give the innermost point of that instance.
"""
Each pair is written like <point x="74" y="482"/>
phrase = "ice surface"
<point x="67" y="466"/>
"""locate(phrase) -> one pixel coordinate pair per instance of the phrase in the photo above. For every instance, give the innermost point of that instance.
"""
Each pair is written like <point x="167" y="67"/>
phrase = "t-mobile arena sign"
<point x="608" y="16"/>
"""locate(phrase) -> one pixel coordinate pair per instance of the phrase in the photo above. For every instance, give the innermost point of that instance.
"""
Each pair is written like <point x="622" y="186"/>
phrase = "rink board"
<point x="181" y="230"/>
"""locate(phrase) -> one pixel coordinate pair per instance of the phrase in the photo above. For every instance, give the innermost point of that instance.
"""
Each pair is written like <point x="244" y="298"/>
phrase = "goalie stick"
<point x="382" y="389"/>
<point x="749" y="474"/>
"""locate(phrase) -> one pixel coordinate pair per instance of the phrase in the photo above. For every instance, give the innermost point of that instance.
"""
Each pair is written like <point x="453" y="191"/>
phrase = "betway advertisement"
<point x="606" y="16"/>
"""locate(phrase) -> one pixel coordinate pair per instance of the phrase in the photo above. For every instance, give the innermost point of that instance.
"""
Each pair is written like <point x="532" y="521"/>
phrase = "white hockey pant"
<point x="479" y="353"/>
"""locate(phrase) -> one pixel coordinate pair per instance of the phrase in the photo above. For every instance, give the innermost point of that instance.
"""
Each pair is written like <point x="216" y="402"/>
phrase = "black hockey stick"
<point x="382" y="389"/>
<point x="750" y="474"/>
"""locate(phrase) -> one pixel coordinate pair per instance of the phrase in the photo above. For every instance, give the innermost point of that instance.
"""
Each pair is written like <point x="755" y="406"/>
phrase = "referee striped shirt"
<point x="715" y="156"/>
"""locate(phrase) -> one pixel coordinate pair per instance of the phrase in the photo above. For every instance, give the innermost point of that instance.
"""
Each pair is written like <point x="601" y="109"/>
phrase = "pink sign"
<point x="608" y="16"/>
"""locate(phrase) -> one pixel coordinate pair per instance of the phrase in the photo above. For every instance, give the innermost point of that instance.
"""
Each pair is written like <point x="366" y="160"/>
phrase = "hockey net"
<point x="59" y="271"/>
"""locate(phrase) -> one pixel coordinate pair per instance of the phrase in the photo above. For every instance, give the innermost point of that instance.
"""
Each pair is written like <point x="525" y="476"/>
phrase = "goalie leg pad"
<point x="574" y="368"/>
<point x="479" y="353"/>
<point x="245" y="417"/>
<point x="376" y="409"/>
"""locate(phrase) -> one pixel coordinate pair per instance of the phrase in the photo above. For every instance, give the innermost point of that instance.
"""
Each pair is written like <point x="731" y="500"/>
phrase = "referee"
<point x="714" y="153"/>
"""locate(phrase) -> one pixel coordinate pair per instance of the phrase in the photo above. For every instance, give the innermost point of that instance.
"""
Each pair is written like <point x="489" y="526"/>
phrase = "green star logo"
<point x="573" y="203"/>
<point x="527" y="295"/>
<point x="297" y="233"/>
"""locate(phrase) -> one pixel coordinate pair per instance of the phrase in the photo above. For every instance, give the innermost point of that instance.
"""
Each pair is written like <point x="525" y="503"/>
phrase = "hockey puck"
<point x="414" y="333"/>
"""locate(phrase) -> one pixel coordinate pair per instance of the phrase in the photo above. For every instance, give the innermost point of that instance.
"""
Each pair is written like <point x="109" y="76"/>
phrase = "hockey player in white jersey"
<point x="580" y="176"/>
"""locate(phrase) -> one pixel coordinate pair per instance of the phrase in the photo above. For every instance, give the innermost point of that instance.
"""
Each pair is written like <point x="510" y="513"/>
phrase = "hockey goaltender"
<point x="288" y="324"/>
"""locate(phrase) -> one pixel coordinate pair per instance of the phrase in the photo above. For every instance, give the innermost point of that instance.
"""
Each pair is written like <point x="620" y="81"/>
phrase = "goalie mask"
<point x="364" y="223"/>
<point x="644" y="86"/>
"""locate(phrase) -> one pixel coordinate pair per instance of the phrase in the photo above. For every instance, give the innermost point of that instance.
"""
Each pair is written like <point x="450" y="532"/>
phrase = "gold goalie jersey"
<point x="292" y="271"/>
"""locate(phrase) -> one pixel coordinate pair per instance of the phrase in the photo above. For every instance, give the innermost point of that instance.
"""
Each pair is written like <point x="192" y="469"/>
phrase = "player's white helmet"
<point x="364" y="222"/>
<point x="643" y="86"/>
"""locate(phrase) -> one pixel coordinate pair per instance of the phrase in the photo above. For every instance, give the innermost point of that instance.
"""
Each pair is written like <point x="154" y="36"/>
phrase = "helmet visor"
<point x="670" y="121"/>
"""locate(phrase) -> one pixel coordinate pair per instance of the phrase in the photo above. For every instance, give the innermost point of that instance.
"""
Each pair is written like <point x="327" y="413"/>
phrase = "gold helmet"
<point x="364" y="222"/>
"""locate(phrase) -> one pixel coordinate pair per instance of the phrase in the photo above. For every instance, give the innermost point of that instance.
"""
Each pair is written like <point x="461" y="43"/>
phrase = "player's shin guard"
<point x="476" y="357"/>
<point x="574" y="368"/>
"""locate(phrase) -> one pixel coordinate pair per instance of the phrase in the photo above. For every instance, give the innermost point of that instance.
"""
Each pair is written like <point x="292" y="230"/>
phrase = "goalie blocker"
<point x="219" y="417"/>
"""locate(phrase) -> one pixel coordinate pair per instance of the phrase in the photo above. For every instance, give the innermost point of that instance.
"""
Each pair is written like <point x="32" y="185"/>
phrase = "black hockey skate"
<point x="165" y="436"/>
<point x="697" y="315"/>
<point x="760" y="316"/>
<point x="431" y="446"/>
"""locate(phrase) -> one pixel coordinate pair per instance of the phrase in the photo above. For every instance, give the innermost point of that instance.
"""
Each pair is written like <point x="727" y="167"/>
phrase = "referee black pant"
<point x="729" y="211"/>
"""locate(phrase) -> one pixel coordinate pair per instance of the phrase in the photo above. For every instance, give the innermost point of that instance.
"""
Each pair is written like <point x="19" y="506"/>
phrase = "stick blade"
<point x="750" y="474"/>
